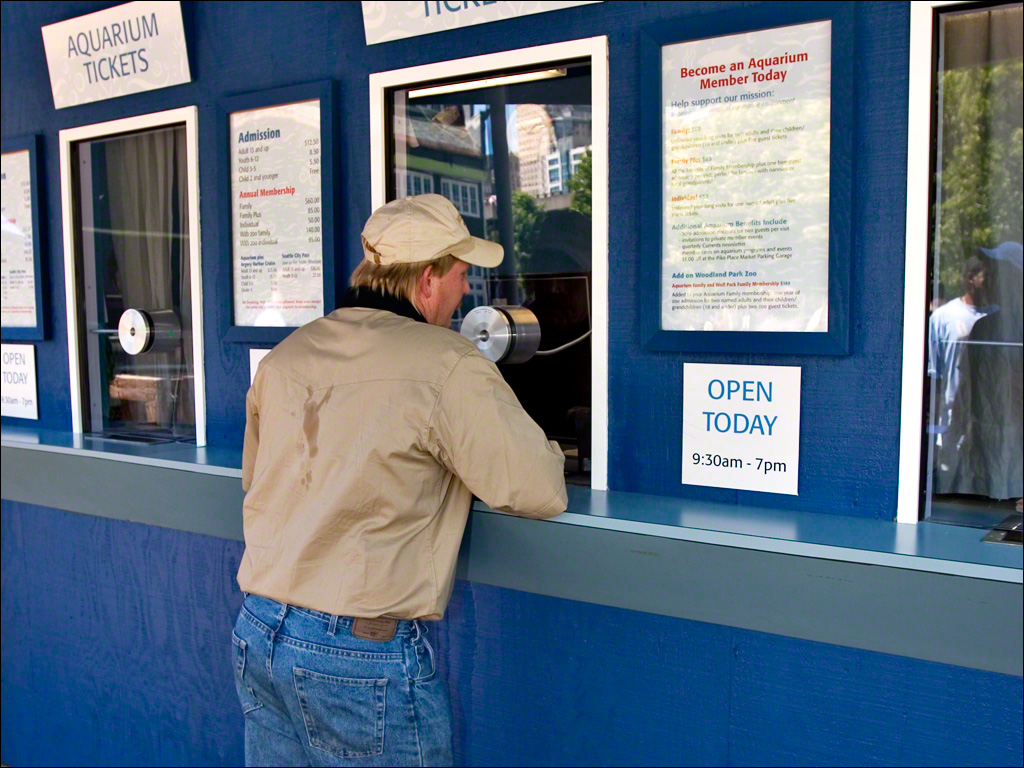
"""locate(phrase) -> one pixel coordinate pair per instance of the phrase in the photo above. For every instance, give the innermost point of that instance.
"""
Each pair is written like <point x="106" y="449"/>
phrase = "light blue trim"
<point x="926" y="547"/>
<point x="799" y="548"/>
<point x="180" y="456"/>
<point x="743" y="567"/>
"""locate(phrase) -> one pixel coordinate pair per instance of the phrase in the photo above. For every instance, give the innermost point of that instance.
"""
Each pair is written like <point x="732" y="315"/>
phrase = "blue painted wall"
<point x="115" y="635"/>
<point x="850" y="405"/>
<point x="116" y="652"/>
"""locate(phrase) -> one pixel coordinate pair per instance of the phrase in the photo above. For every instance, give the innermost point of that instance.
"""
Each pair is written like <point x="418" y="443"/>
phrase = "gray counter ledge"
<point x="925" y="591"/>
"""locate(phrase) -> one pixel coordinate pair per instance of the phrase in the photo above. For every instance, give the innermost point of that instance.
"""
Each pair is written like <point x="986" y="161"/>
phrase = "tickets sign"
<point x="123" y="50"/>
<point x="389" y="20"/>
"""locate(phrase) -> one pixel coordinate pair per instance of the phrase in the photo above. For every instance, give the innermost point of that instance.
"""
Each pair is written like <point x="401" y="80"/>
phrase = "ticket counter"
<point x="678" y="622"/>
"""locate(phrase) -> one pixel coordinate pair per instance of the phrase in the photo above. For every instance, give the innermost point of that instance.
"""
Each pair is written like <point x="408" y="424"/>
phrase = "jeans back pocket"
<point x="246" y="696"/>
<point x="344" y="716"/>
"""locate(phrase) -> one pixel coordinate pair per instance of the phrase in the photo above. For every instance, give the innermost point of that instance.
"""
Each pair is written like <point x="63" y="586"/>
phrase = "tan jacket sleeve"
<point x="480" y="432"/>
<point x="252" y="439"/>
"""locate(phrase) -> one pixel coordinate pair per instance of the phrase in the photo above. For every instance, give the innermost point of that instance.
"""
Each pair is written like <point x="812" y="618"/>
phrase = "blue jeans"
<point x="314" y="694"/>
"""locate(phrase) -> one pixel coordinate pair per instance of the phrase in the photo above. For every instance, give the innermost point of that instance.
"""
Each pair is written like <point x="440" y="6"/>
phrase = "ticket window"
<point x="513" y="152"/>
<point x="134" y="286"/>
<point x="974" y="457"/>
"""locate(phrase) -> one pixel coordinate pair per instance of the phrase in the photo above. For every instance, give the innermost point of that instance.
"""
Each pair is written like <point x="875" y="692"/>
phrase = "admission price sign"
<point x="276" y="215"/>
<point x="745" y="181"/>
<point x="741" y="427"/>
<point x="17" y="273"/>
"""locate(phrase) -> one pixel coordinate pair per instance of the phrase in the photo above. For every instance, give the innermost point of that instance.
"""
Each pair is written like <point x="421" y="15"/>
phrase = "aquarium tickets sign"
<point x="123" y="50"/>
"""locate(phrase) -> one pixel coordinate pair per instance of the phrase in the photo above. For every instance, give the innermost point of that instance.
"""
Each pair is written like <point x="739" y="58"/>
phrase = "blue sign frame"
<point x="326" y="92"/>
<point x="835" y="341"/>
<point x="41" y="330"/>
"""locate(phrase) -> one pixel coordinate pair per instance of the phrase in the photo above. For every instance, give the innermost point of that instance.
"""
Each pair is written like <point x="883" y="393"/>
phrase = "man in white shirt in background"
<point x="948" y="327"/>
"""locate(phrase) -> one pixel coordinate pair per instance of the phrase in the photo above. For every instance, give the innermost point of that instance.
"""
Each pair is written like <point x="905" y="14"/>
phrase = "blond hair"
<point x="398" y="279"/>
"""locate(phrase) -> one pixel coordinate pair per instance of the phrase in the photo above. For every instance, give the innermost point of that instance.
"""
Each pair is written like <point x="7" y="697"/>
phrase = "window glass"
<point x="132" y="253"/>
<point x="973" y="423"/>
<point x="514" y="160"/>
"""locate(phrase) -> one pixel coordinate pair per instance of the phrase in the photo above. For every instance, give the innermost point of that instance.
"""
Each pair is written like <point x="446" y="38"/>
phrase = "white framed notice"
<point x="741" y="427"/>
<point x="20" y="394"/>
<point x="18" y="270"/>
<point x="746" y="158"/>
<point x="21" y="256"/>
<point x="745" y="181"/>
<point x="277" y="215"/>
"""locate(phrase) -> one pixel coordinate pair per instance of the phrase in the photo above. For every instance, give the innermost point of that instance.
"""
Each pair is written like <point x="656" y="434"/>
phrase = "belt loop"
<point x="273" y="637"/>
<point x="419" y="644"/>
<point x="281" y="618"/>
<point x="333" y="627"/>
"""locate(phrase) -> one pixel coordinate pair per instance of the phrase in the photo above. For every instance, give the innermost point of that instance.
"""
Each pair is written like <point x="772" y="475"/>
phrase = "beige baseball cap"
<point x="423" y="228"/>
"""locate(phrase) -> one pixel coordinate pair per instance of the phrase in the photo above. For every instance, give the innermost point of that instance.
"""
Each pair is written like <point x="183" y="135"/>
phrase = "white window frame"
<point x="919" y="151"/>
<point x="188" y="116"/>
<point x="550" y="166"/>
<point x="596" y="49"/>
<point x="474" y="192"/>
<point x="426" y="180"/>
<point x="576" y="155"/>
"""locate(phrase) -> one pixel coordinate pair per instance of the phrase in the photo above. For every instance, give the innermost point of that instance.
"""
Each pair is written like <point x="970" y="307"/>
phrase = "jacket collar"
<point x="367" y="298"/>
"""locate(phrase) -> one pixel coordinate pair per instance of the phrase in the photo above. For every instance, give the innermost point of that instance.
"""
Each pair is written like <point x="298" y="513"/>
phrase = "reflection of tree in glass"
<point x="580" y="185"/>
<point x="980" y="197"/>
<point x="528" y="216"/>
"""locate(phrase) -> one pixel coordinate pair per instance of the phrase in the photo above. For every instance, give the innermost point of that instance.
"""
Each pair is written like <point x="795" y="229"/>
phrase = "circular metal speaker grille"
<point x="503" y="334"/>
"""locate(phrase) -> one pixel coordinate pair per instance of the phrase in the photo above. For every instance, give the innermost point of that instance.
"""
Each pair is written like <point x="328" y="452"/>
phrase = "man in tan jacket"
<point x="367" y="434"/>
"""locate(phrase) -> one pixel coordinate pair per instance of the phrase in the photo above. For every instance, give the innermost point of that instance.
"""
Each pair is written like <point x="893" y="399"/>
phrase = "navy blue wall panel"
<point x="850" y="405"/>
<point x="114" y="643"/>
<point x="116" y="651"/>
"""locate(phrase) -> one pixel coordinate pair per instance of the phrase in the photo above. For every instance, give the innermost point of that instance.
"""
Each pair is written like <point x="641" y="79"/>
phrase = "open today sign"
<point x="741" y="427"/>
<point x="19" y="394"/>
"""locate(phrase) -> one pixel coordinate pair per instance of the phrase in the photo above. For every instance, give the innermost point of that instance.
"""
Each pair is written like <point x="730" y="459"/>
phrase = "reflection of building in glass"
<point x="443" y="151"/>
<point x="576" y="157"/>
<point x="536" y="141"/>
<point x="446" y="149"/>
<point x="555" y="185"/>
<point x="465" y="197"/>
<point x="561" y="166"/>
<point x="413" y="183"/>
<point x="552" y="141"/>
<point x="573" y="134"/>
<point x="491" y="201"/>
<point x="444" y="154"/>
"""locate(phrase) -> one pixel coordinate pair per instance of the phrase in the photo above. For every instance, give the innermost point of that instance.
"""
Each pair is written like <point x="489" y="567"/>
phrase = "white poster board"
<point x="130" y="48"/>
<point x="20" y="395"/>
<point x="255" y="358"/>
<point x="276" y="215"/>
<point x="17" y="253"/>
<point x="741" y="427"/>
<point x="746" y="127"/>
